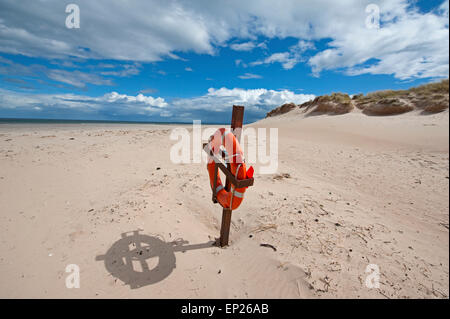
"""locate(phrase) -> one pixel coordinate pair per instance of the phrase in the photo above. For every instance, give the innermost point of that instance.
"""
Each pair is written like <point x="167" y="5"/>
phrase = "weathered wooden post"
<point x="237" y="119"/>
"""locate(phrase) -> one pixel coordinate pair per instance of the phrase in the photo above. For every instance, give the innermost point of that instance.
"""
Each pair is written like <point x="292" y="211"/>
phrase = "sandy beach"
<point x="351" y="190"/>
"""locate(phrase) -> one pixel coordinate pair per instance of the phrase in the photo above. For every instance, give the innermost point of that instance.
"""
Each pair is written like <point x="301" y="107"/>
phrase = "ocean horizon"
<point x="81" y="121"/>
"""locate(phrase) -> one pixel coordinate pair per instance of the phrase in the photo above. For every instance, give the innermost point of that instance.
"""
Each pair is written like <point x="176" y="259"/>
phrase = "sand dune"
<point x="428" y="98"/>
<point x="351" y="190"/>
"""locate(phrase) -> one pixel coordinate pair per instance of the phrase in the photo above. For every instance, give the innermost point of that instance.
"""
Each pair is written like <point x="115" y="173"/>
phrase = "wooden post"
<point x="225" y="227"/>
<point x="237" y="119"/>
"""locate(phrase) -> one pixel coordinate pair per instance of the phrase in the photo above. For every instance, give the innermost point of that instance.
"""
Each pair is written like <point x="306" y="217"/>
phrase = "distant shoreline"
<point x="66" y="121"/>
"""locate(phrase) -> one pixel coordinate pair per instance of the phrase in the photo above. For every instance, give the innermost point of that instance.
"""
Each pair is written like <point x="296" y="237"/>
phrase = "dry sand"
<point x="351" y="190"/>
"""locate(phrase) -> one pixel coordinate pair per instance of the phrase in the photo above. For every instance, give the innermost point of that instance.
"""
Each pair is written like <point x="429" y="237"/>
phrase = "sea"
<point x="64" y="121"/>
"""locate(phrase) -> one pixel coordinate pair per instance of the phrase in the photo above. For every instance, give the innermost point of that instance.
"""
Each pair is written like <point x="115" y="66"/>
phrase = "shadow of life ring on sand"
<point x="140" y="260"/>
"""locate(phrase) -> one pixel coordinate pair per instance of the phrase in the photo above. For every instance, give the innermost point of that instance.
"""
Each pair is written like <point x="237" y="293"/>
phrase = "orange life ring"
<point x="233" y="198"/>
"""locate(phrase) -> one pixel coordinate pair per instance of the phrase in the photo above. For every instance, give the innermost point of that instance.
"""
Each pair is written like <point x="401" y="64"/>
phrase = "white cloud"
<point x="256" y="101"/>
<point x="76" y="78"/>
<point x="287" y="59"/>
<point x="409" y="44"/>
<point x="260" y="96"/>
<point x="247" y="76"/>
<point x="262" y="45"/>
<point x="443" y="8"/>
<point x="188" y="69"/>
<point x="244" y="46"/>
<point x="239" y="62"/>
<point x="16" y="100"/>
<point x="125" y="70"/>
<point x="106" y="66"/>
<point x="140" y="98"/>
<point x="121" y="30"/>
<point x="283" y="57"/>
<point x="110" y="103"/>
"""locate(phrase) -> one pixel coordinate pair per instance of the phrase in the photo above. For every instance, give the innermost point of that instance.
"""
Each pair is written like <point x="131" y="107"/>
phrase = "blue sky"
<point x="178" y="61"/>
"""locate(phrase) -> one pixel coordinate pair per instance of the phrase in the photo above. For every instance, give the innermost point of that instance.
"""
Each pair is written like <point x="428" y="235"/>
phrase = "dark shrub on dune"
<point x="436" y="107"/>
<point x="282" y="109"/>
<point x="388" y="106"/>
<point x="336" y="103"/>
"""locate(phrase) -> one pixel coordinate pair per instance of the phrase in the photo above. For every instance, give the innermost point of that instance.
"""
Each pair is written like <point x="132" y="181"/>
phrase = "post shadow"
<point x="135" y="249"/>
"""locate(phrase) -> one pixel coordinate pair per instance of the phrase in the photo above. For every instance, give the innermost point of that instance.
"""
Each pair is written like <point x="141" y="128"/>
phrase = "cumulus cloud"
<point x="207" y="107"/>
<point x="127" y="30"/>
<point x="217" y="102"/>
<point x="262" y="97"/>
<point x="109" y="106"/>
<point x="140" y="98"/>
<point x="409" y="43"/>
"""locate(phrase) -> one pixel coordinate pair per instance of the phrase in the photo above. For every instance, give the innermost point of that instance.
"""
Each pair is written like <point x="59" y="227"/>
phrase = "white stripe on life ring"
<point x="239" y="194"/>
